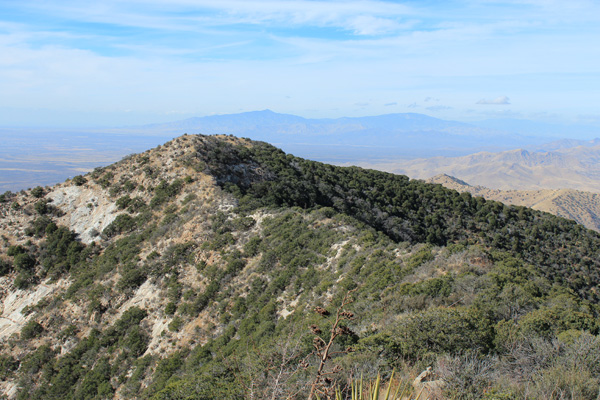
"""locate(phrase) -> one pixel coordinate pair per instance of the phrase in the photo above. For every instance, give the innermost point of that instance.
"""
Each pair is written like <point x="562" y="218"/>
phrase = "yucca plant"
<point x="360" y="390"/>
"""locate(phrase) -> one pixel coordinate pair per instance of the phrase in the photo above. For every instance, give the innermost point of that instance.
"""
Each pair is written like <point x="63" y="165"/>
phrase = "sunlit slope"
<point x="571" y="168"/>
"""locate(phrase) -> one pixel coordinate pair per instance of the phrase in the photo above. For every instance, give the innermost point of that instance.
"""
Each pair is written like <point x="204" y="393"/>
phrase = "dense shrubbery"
<point x="408" y="210"/>
<point x="82" y="374"/>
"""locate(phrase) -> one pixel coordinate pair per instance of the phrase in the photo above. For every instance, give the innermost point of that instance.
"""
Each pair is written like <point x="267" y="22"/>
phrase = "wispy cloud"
<point x="438" y="108"/>
<point x="361" y="17"/>
<point x="502" y="100"/>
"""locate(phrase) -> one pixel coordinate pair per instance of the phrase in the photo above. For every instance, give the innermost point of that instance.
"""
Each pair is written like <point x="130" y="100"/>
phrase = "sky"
<point x="126" y="62"/>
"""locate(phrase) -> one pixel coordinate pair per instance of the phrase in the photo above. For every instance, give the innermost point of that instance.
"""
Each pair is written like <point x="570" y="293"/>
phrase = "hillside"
<point x="583" y="207"/>
<point x="218" y="267"/>
<point x="565" y="168"/>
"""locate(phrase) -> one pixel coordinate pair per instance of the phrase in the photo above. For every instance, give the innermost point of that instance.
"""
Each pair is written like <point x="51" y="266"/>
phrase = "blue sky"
<point x="68" y="63"/>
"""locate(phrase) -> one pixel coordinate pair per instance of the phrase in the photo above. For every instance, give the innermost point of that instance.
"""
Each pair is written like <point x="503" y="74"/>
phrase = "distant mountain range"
<point x="30" y="157"/>
<point x="406" y="135"/>
<point x="566" y="168"/>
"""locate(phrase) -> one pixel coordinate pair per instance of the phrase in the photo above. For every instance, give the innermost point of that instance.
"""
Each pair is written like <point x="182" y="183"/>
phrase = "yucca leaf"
<point x="375" y="395"/>
<point x="387" y="393"/>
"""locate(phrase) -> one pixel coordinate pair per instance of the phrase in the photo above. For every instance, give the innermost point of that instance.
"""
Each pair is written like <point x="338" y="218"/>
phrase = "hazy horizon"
<point x="42" y="156"/>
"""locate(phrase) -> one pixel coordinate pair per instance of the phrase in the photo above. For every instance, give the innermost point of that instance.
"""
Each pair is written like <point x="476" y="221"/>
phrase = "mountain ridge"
<point x="187" y="270"/>
<point x="583" y="207"/>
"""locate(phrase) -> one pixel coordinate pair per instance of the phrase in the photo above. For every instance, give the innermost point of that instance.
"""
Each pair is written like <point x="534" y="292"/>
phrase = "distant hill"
<point x="568" y="168"/>
<point x="583" y="207"/>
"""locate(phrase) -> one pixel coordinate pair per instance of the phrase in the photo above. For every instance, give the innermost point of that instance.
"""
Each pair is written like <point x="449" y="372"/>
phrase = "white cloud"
<point x="502" y="100"/>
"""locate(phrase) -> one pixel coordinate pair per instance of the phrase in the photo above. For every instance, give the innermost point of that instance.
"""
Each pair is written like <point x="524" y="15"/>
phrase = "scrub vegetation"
<point x="245" y="272"/>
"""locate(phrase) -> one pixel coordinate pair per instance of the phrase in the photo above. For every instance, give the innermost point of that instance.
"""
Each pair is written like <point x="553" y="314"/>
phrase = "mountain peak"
<point x="449" y="182"/>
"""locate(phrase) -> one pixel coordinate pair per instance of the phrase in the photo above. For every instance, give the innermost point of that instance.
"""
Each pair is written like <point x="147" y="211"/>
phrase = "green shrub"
<point x="123" y="202"/>
<point x="442" y="331"/>
<point x="69" y="331"/>
<point x="36" y="360"/>
<point x="128" y="186"/>
<point x="243" y="223"/>
<point x="420" y="257"/>
<point x="170" y="308"/>
<point x="133" y="316"/>
<point x="176" y="324"/>
<point x="114" y="190"/>
<point x="24" y="262"/>
<point x="5" y="267"/>
<point x="136" y="204"/>
<point x="123" y="223"/>
<point x="165" y="369"/>
<point x="549" y="322"/>
<point x="15" y="249"/>
<point x="205" y="386"/>
<point x="38" y="227"/>
<point x="38" y="192"/>
<point x="164" y="192"/>
<point x="5" y="196"/>
<point x="41" y="207"/>
<point x="31" y="330"/>
<point x="105" y="180"/>
<point x="7" y="366"/>
<point x="135" y="342"/>
<point x="79" y="180"/>
<point x="188" y="198"/>
<point x="24" y="279"/>
<point x="132" y="277"/>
